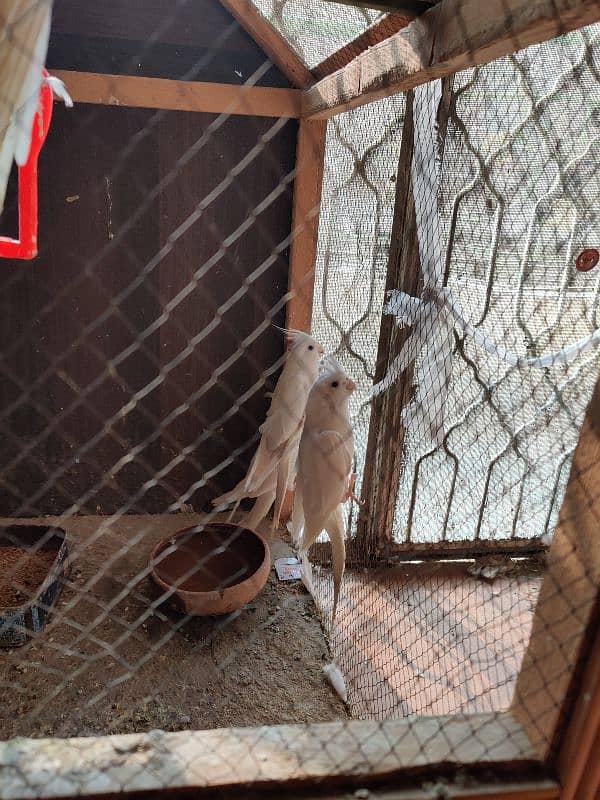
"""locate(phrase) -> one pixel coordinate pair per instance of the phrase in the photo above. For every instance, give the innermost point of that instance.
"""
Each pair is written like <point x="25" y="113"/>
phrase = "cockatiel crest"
<point x="325" y="460"/>
<point x="271" y="470"/>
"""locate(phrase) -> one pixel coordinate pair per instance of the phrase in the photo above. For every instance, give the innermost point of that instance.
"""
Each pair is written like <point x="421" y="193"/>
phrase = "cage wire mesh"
<point x="312" y="29"/>
<point x="517" y="202"/>
<point x="355" y="225"/>
<point x="518" y="199"/>
<point x="137" y="355"/>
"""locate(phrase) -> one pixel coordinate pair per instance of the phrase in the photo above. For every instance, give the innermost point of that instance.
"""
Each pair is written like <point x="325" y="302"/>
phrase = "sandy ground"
<point x="107" y="663"/>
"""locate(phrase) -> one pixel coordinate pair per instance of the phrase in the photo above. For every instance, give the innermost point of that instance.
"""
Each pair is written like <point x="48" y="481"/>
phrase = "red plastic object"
<point x="25" y="247"/>
<point x="587" y="259"/>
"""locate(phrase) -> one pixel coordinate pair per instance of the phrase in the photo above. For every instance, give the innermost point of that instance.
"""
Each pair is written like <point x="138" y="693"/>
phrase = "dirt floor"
<point x="108" y="663"/>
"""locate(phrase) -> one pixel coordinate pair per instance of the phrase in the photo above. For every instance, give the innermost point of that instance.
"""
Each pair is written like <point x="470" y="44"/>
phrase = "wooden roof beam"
<point x="213" y="98"/>
<point x="376" y="33"/>
<point x="271" y="41"/>
<point x="451" y="36"/>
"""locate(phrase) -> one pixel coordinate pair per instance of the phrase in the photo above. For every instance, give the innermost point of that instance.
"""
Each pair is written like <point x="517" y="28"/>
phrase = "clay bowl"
<point x="211" y="569"/>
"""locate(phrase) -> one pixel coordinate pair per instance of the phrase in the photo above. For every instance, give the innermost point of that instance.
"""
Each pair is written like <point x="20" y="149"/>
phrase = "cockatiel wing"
<point x="325" y="464"/>
<point x="262" y="473"/>
<point x="23" y="49"/>
<point x="278" y="437"/>
<point x="279" y="430"/>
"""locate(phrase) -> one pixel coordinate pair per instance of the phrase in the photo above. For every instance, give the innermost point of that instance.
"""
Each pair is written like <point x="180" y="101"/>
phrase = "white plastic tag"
<point x="288" y="569"/>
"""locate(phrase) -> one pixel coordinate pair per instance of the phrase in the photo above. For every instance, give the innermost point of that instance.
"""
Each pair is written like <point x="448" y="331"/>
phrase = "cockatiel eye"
<point x="335" y="384"/>
<point x="311" y="347"/>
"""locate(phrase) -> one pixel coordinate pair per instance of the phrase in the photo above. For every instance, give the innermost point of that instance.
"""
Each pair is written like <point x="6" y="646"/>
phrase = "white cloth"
<point x="436" y="313"/>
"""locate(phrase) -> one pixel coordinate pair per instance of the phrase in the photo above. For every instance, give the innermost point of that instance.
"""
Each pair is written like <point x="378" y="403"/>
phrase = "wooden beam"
<point x="579" y="755"/>
<point x="589" y="787"/>
<point x="397" y="553"/>
<point x="413" y="7"/>
<point x="310" y="157"/>
<point x="271" y="41"/>
<point x="213" y="98"/>
<point x="449" y="37"/>
<point x="386" y="432"/>
<point x="282" y="757"/>
<point x="385" y="446"/>
<point x="569" y="597"/>
<point x="376" y="33"/>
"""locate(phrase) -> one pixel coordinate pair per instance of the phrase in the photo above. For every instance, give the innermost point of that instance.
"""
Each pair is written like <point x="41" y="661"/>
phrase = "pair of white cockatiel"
<point x="307" y="434"/>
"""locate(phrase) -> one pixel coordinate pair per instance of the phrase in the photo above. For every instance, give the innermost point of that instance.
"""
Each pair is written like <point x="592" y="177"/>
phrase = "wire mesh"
<point x="355" y="226"/>
<point x="140" y="358"/>
<point x="312" y="29"/>
<point x="517" y="202"/>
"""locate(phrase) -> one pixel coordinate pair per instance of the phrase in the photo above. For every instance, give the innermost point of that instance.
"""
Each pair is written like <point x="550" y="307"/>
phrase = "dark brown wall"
<point x="96" y="396"/>
<point x="187" y="39"/>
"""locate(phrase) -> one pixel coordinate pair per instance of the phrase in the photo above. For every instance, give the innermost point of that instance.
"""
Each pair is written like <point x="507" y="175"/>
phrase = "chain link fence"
<point x="141" y="379"/>
<point x="512" y="224"/>
<point x="313" y="30"/>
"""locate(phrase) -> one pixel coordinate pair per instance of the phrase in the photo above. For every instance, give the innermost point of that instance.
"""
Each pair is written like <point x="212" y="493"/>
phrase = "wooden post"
<point x="310" y="157"/>
<point x="214" y="98"/>
<point x="578" y="763"/>
<point x="386" y="432"/>
<point x="567" y="606"/>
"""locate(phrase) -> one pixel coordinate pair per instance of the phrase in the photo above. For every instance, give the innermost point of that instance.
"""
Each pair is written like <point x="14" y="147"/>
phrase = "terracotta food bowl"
<point x="211" y="569"/>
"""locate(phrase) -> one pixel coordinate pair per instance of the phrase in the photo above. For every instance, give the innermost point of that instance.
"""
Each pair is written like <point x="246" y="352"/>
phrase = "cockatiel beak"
<point x="321" y="352"/>
<point x="350" y="385"/>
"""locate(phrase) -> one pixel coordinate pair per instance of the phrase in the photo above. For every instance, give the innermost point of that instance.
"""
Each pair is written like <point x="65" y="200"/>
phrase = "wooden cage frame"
<point x="548" y="744"/>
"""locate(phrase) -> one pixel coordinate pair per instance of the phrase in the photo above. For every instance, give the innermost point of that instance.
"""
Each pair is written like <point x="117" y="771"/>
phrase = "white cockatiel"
<point x="325" y="479"/>
<point x="270" y="472"/>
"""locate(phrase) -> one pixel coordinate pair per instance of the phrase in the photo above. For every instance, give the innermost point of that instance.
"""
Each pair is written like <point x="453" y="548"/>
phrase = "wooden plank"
<point x="579" y="755"/>
<point x="384" y="451"/>
<point x="310" y="156"/>
<point x="451" y="36"/>
<point x="199" y="24"/>
<point x="376" y="33"/>
<point x="353" y="752"/>
<point x="400" y="552"/>
<point x="87" y="192"/>
<point x="568" y="599"/>
<point x="196" y="40"/>
<point x="386" y="432"/>
<point x="589" y="788"/>
<point x="413" y="7"/>
<point x="214" y="98"/>
<point x="271" y="41"/>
